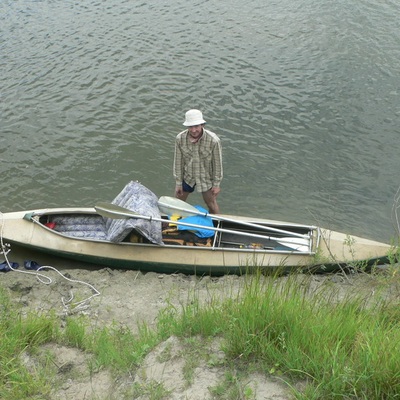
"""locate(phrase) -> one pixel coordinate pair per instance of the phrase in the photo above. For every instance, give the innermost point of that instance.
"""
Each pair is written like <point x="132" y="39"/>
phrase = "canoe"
<point x="238" y="244"/>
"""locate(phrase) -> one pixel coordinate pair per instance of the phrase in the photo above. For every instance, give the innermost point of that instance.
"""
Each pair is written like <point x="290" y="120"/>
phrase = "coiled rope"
<point x="69" y="305"/>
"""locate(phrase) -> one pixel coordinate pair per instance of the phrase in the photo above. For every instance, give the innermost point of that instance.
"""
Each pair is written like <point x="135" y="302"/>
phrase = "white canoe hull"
<point x="328" y="249"/>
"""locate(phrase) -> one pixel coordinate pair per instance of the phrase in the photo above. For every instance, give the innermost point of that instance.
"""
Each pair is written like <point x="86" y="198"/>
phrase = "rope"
<point x="69" y="307"/>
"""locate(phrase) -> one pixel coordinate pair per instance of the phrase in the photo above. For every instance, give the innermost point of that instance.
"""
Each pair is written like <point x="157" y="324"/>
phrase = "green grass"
<point x="111" y="347"/>
<point x="19" y="334"/>
<point x="338" y="348"/>
<point x="342" y="349"/>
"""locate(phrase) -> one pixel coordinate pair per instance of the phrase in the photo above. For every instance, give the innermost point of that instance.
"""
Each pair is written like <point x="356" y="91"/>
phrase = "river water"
<point x="304" y="94"/>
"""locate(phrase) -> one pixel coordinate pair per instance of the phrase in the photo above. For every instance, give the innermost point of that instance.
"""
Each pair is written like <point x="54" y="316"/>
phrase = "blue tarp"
<point x="198" y="220"/>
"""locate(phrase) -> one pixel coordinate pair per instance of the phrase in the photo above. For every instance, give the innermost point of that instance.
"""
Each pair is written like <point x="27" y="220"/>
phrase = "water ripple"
<point x="304" y="96"/>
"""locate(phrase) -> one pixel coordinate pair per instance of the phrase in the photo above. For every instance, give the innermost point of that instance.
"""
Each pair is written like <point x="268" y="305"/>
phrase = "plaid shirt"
<point x="198" y="163"/>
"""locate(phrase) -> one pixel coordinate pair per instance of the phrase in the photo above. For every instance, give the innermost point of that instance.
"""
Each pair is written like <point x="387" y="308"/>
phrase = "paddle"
<point x="168" y="204"/>
<point x="110" y="210"/>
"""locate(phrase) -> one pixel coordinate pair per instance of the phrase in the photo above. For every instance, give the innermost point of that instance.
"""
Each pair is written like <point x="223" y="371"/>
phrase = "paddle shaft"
<point x="166" y="203"/>
<point x="110" y="210"/>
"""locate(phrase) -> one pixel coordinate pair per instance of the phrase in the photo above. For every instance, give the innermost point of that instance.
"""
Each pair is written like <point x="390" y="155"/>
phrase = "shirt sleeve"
<point x="178" y="164"/>
<point x="217" y="164"/>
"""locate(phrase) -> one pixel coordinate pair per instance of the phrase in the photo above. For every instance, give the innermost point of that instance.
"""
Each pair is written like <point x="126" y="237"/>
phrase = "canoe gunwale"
<point x="34" y="217"/>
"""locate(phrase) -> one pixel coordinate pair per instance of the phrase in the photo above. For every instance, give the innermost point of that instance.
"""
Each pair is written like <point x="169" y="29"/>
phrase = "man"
<point x="198" y="161"/>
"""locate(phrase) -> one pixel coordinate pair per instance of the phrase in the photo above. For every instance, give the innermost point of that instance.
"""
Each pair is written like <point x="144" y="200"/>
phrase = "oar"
<point x="167" y="205"/>
<point x="110" y="210"/>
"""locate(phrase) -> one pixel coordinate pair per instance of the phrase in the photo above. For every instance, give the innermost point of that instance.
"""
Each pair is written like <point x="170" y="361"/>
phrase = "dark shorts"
<point x="187" y="188"/>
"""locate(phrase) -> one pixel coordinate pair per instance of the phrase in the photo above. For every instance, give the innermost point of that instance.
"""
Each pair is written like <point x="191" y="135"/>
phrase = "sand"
<point x="126" y="298"/>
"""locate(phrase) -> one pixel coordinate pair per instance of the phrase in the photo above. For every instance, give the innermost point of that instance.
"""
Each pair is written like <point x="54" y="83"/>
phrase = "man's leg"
<point x="211" y="200"/>
<point x="182" y="192"/>
<point x="182" y="195"/>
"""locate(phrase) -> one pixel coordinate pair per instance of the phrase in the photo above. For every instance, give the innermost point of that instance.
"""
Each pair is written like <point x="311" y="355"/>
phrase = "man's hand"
<point x="178" y="191"/>
<point x="215" y="190"/>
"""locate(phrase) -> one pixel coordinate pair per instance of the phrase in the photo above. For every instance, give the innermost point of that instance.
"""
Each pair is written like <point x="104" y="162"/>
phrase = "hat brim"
<point x="194" y="123"/>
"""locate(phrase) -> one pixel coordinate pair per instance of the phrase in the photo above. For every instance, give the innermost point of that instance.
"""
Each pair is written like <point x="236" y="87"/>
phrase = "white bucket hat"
<point x="194" y="117"/>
